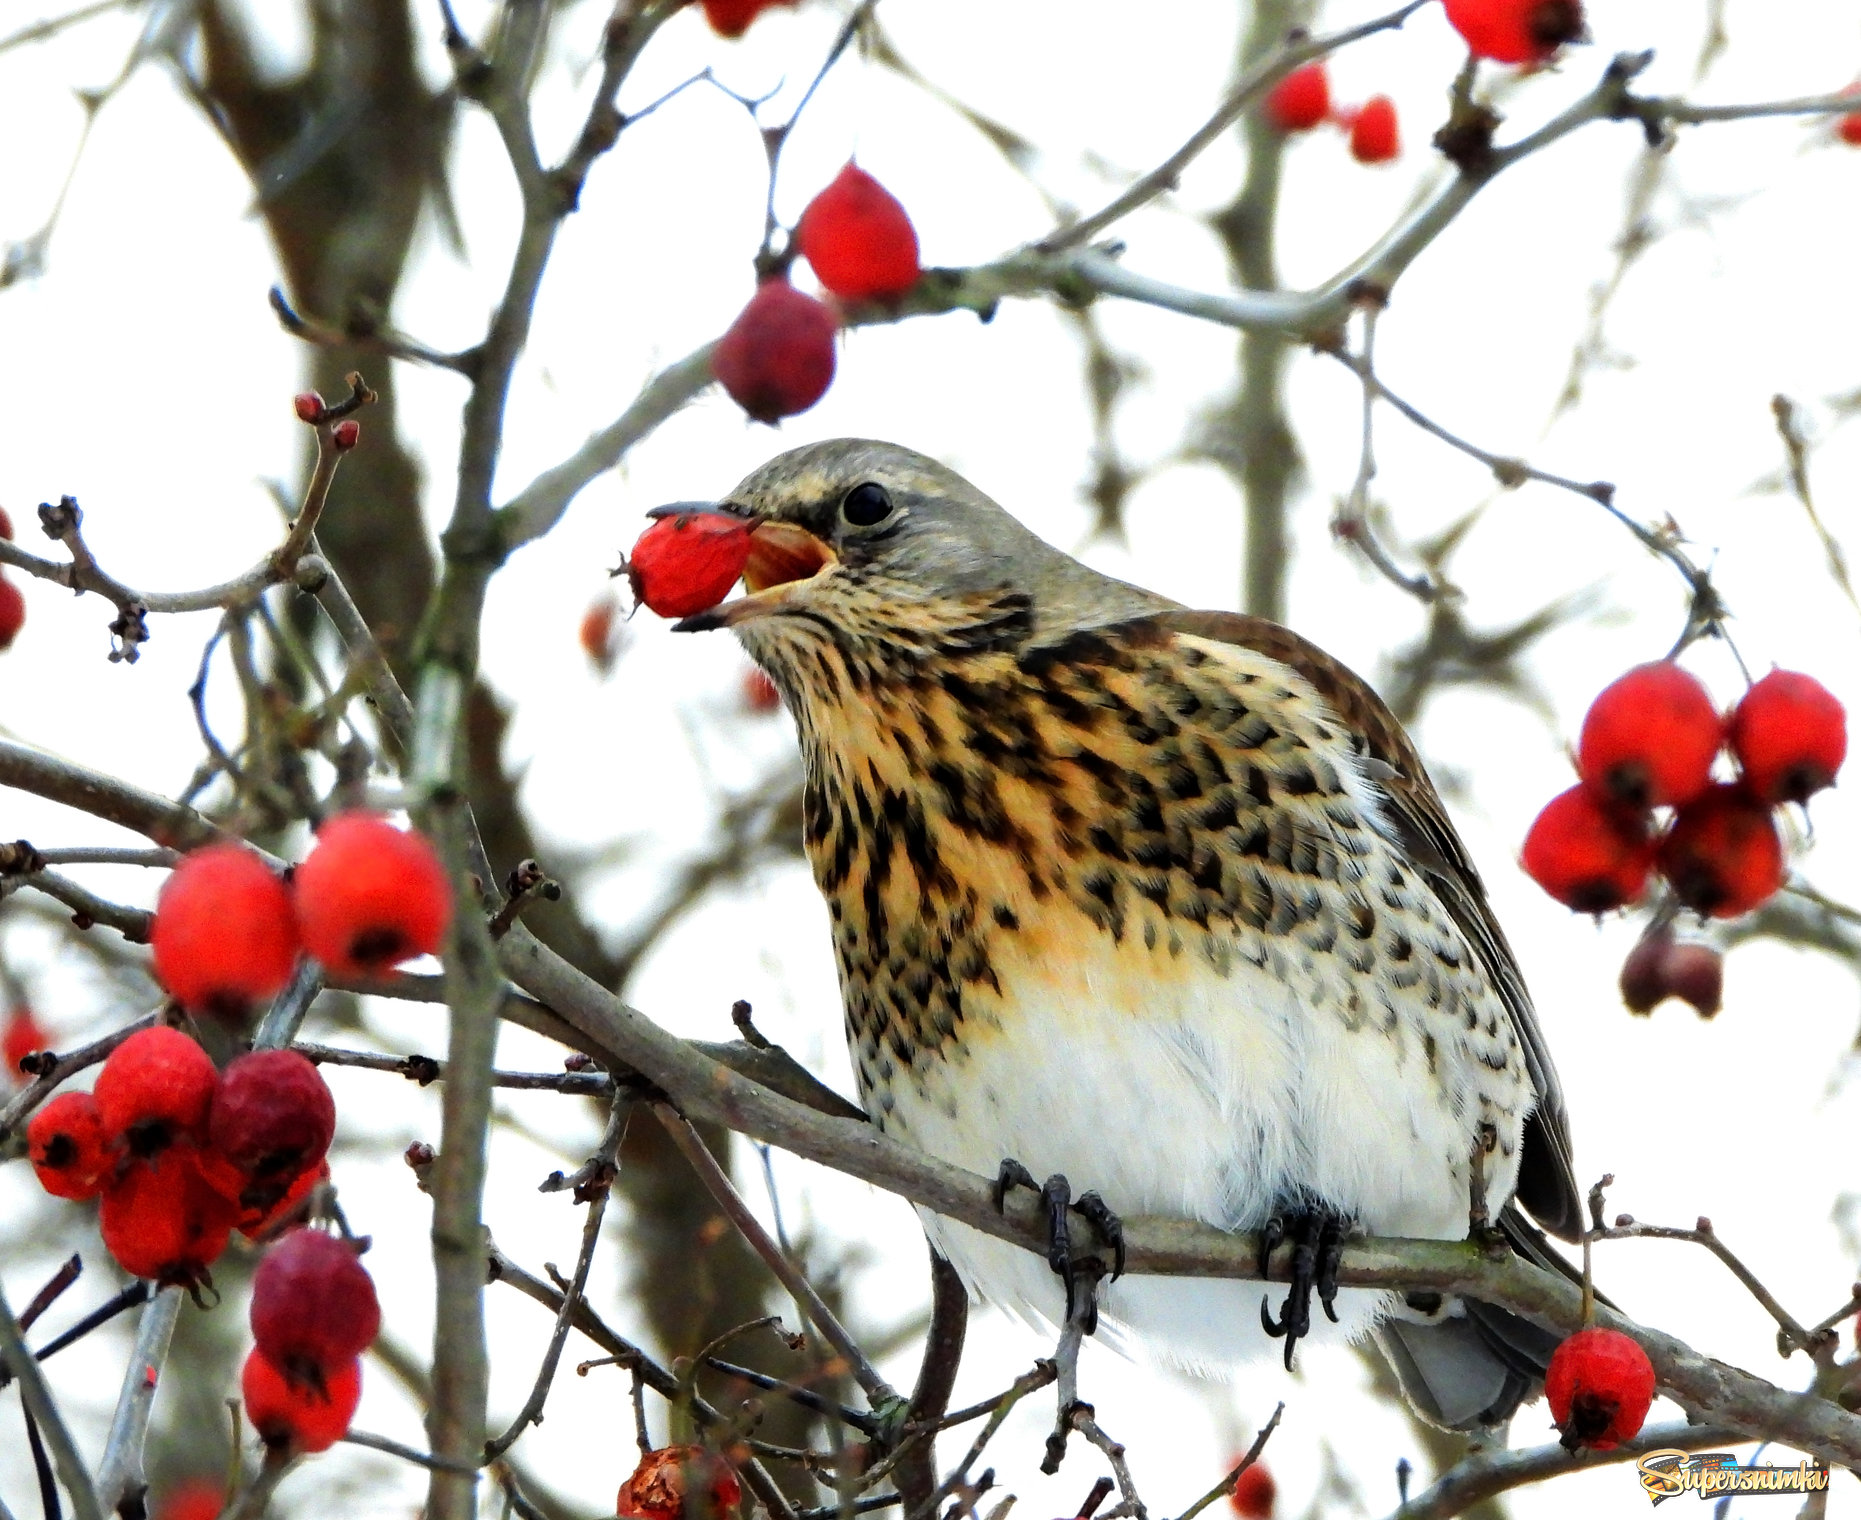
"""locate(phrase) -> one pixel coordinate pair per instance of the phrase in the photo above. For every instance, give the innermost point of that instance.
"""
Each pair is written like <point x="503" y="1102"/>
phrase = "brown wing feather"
<point x="1547" y="1185"/>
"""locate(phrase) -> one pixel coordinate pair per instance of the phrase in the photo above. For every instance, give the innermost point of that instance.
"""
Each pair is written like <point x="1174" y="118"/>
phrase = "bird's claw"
<point x="1317" y="1234"/>
<point x="1056" y="1194"/>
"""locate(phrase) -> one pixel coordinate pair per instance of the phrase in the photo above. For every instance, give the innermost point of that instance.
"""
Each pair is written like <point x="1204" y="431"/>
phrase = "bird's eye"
<point x="866" y="504"/>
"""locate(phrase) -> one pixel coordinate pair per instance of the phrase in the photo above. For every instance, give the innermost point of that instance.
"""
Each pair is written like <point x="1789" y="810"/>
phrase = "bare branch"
<point x="44" y="1410"/>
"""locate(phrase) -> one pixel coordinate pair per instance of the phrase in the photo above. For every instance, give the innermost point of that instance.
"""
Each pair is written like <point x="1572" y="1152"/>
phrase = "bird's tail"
<point x="1476" y="1363"/>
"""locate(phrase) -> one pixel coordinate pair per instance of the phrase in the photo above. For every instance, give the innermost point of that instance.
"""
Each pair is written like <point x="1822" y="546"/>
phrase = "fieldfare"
<point x="1162" y="902"/>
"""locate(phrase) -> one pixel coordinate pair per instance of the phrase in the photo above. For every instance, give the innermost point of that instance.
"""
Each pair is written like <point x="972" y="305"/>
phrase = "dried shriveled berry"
<point x="313" y="1304"/>
<point x="1790" y="736"/>
<point x="1599" y="1386"/>
<point x="224" y="937"/>
<point x="688" y="561"/>
<point x="12" y="612"/>
<point x="777" y="358"/>
<point x="70" y="1152"/>
<point x="1516" y="31"/>
<point x="162" y="1220"/>
<point x="660" y="1486"/>
<point x="370" y="896"/>
<point x="732" y="18"/>
<point x="1301" y="100"/>
<point x="858" y="239"/>
<point x="1254" y="1493"/>
<point x="294" y="1416"/>
<point x="1660" y="967"/>
<point x="1650" y="738"/>
<point x="1723" y="855"/>
<point x="273" y="1118"/>
<point x="1376" y="137"/>
<point x="156" y="1088"/>
<point x="1589" y="856"/>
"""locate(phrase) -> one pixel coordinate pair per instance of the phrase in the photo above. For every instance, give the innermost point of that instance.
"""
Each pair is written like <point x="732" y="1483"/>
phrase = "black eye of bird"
<point x="866" y="504"/>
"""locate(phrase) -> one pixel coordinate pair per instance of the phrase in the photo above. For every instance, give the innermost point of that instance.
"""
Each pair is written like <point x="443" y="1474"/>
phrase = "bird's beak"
<point x="781" y="555"/>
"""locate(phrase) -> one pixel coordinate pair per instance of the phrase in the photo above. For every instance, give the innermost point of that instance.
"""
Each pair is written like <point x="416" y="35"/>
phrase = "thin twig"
<point x="120" y="1473"/>
<point x="44" y="1410"/>
<point x="406" y="1453"/>
<point x="1251" y="1456"/>
<point x="25" y="1101"/>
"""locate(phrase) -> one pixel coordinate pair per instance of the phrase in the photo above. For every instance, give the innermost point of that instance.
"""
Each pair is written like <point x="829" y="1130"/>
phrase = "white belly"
<point x="1189" y="1094"/>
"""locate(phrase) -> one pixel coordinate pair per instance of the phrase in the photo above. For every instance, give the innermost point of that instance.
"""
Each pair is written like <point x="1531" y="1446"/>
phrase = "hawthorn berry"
<point x="597" y="633"/>
<point x="12" y="612"/>
<point x="1376" y="138"/>
<point x="68" y="1147"/>
<point x="1650" y="738"/>
<point x="777" y="358"/>
<point x="1599" y="1386"/>
<point x="1789" y="736"/>
<point x="155" y="1088"/>
<point x="273" y="1118"/>
<point x="658" y="1488"/>
<point x="1254" y="1493"/>
<point x="858" y="239"/>
<point x="1660" y="967"/>
<point x="6" y="524"/>
<point x="22" y="1037"/>
<point x="370" y="896"/>
<point x="162" y="1220"/>
<point x="1722" y="855"/>
<point x="224" y="935"/>
<point x="196" y="1499"/>
<point x="256" y="1224"/>
<point x="1590" y="857"/>
<point x="759" y="692"/>
<point x="1301" y="100"/>
<point x="313" y="1304"/>
<point x="732" y="18"/>
<point x="1849" y="129"/>
<point x="1516" y="31"/>
<point x="688" y="561"/>
<point x="297" y="1417"/>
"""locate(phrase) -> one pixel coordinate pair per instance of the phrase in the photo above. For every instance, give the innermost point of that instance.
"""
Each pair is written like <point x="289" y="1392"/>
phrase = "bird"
<point x="1155" y="902"/>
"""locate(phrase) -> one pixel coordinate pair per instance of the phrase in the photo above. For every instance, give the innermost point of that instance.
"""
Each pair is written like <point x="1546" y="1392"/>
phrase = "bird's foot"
<point x="1317" y="1232"/>
<point x="1073" y="1268"/>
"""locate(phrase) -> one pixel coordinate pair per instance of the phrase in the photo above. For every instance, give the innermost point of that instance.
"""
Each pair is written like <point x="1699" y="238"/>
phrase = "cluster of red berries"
<point x="227" y="931"/>
<point x="1599" y="1386"/>
<point x="659" y="1488"/>
<point x="777" y="358"/>
<point x="12" y="602"/>
<point x="314" y="1312"/>
<point x="182" y="1154"/>
<point x="1254" y="1493"/>
<point x="1650" y="741"/>
<point x="732" y="18"/>
<point x="1302" y="101"/>
<point x="1516" y="31"/>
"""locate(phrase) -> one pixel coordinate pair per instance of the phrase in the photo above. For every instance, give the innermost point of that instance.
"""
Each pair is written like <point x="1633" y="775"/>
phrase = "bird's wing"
<point x="1547" y="1185"/>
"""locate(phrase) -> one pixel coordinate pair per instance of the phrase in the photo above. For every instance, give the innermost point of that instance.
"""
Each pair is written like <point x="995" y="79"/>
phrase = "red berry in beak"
<point x="688" y="562"/>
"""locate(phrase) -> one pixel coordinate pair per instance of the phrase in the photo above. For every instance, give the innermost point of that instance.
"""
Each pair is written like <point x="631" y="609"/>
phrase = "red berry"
<point x="1375" y="136"/>
<point x="777" y="359"/>
<point x="598" y="633"/>
<point x="858" y="239"/>
<point x="1790" y="736"/>
<point x="1599" y="1385"/>
<point x="161" y="1220"/>
<point x="346" y="434"/>
<point x="1253" y="1493"/>
<point x="1516" y="31"/>
<point x="255" y="1224"/>
<point x="1849" y="129"/>
<point x="658" y="1486"/>
<point x="300" y="1417"/>
<point x="689" y="561"/>
<point x="1659" y="968"/>
<point x="1723" y="856"/>
<point x="1588" y="856"/>
<point x="370" y="896"/>
<point x="224" y="935"/>
<point x="308" y="405"/>
<point x="22" y="1037"/>
<point x="273" y="1119"/>
<point x="759" y="693"/>
<point x="156" y="1088"/>
<point x="1650" y="738"/>
<point x="731" y="18"/>
<point x="6" y="524"/>
<point x="1301" y="100"/>
<point x="12" y="612"/>
<point x="313" y="1304"/>
<point x="69" y="1149"/>
<point x="196" y="1499"/>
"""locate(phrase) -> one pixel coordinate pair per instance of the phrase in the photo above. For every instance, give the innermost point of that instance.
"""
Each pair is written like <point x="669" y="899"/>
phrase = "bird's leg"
<point x="1056" y="1193"/>
<point x="1317" y="1232"/>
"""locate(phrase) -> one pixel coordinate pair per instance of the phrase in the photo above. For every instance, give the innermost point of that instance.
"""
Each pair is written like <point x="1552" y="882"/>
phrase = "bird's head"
<point x="893" y="558"/>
